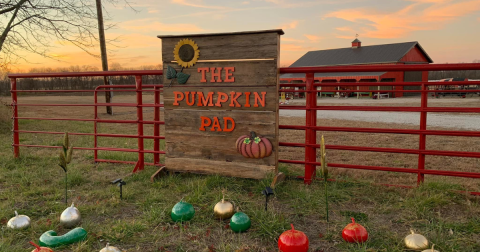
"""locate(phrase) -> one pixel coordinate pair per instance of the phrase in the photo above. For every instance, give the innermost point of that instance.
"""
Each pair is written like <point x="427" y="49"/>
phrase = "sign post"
<point x="221" y="102"/>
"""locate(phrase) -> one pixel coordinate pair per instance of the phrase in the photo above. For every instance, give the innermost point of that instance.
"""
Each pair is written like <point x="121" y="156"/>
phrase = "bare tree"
<point x="34" y="25"/>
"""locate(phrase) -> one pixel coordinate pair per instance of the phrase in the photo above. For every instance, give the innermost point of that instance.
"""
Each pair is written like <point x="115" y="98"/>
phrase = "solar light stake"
<point x="267" y="192"/>
<point x="120" y="183"/>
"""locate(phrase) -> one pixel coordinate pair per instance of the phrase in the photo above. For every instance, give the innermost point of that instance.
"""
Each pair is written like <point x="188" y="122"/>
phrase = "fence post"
<point x="138" y="88"/>
<point x="156" y="127"/>
<point x="423" y="127"/>
<point x="310" y="134"/>
<point x="16" y="139"/>
<point x="95" y="116"/>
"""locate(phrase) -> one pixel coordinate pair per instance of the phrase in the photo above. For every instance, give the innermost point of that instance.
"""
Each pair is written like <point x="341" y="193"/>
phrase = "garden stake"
<point x="65" y="158"/>
<point x="267" y="192"/>
<point x="120" y="184"/>
<point x="324" y="171"/>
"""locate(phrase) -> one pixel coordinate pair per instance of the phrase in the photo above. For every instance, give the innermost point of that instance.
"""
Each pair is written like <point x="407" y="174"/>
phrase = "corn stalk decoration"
<point x="324" y="171"/>
<point x="65" y="157"/>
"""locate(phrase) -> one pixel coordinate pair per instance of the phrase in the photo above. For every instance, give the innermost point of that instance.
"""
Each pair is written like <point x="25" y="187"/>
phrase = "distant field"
<point x="33" y="185"/>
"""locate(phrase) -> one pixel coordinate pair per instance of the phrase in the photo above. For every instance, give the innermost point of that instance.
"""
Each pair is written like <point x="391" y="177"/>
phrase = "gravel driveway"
<point x="447" y="120"/>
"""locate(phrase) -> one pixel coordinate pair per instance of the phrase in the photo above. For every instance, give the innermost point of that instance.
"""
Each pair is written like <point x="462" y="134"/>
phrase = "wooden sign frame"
<point x="221" y="102"/>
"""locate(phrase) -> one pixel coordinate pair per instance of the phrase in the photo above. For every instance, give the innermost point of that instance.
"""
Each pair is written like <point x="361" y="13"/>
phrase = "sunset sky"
<point x="447" y="29"/>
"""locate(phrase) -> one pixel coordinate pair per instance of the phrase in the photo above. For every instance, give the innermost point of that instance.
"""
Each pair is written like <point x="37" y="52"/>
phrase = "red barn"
<point x="398" y="53"/>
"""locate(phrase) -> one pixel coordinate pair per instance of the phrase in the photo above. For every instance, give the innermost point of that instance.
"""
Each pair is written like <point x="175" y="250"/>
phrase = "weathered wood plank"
<point x="247" y="73"/>
<point x="234" y="169"/>
<point x="278" y="31"/>
<point x="185" y="139"/>
<point x="227" y="47"/>
<point x="270" y="97"/>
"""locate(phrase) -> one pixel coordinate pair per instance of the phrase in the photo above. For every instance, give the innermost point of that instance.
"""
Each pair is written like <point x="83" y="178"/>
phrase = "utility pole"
<point x="103" y="49"/>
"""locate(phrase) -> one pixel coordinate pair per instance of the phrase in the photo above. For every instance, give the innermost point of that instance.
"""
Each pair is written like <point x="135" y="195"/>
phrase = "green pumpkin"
<point x="51" y="240"/>
<point x="240" y="222"/>
<point x="182" y="211"/>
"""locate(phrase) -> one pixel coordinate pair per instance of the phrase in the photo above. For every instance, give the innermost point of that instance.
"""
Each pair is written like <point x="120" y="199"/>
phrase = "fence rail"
<point x="309" y="87"/>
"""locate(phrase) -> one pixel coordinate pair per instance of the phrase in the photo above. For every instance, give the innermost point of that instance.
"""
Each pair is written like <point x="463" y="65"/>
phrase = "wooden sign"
<point x="221" y="102"/>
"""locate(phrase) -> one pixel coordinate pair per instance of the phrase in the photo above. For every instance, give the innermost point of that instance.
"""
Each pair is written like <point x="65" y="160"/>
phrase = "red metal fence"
<point x="310" y="109"/>
<point x="138" y="88"/>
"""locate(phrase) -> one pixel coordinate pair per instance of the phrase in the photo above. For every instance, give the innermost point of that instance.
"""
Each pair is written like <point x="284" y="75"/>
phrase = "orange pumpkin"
<point x="40" y="249"/>
<point x="254" y="146"/>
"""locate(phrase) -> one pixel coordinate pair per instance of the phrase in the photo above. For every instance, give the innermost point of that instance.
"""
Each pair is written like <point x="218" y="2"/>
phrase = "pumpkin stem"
<point x="411" y="231"/>
<point x="253" y="135"/>
<point x="16" y="214"/>
<point x="293" y="229"/>
<point x="72" y="205"/>
<point x="353" y="220"/>
<point x="433" y="245"/>
<point x="108" y="244"/>
<point x="35" y="245"/>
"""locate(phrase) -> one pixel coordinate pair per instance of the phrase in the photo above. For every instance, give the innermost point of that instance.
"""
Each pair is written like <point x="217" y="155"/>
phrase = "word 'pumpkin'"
<point x="355" y="233"/>
<point x="254" y="146"/>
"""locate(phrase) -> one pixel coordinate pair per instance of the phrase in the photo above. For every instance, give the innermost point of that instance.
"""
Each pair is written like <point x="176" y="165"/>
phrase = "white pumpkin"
<point x="19" y="222"/>
<point x="70" y="217"/>
<point x="109" y="248"/>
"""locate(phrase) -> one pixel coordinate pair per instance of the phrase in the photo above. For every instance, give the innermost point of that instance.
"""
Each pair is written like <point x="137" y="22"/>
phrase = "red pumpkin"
<point x="254" y="146"/>
<point x="293" y="241"/>
<point x="40" y="249"/>
<point x="354" y="233"/>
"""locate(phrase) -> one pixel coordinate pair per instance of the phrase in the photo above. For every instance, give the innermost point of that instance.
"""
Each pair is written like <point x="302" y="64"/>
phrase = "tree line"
<point x="75" y="83"/>
<point x="468" y="74"/>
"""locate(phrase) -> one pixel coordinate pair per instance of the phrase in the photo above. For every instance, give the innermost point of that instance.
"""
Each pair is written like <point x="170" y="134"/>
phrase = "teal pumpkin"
<point x="182" y="211"/>
<point x="240" y="222"/>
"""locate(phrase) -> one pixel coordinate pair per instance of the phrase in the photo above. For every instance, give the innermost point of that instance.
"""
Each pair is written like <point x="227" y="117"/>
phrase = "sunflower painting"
<point x="186" y="54"/>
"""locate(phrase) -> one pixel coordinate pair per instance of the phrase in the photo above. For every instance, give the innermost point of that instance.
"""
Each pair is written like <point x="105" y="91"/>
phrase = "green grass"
<point x="34" y="185"/>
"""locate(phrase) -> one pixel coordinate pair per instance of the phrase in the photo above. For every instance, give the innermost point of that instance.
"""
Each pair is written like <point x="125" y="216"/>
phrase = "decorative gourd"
<point x="293" y="241"/>
<point x="109" y="248"/>
<point x="182" y="211"/>
<point x="254" y="146"/>
<point x="240" y="222"/>
<point x="70" y="217"/>
<point x="354" y="232"/>
<point x="431" y="250"/>
<point x="51" y="240"/>
<point x="40" y="249"/>
<point x="416" y="241"/>
<point x="19" y="222"/>
<point x="223" y="209"/>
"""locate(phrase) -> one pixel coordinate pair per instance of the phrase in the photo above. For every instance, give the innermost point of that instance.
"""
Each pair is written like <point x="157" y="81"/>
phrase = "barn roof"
<point x="374" y="54"/>
<point x="327" y="75"/>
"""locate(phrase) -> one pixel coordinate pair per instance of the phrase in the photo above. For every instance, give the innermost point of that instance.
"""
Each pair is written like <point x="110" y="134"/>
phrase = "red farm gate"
<point x="309" y="88"/>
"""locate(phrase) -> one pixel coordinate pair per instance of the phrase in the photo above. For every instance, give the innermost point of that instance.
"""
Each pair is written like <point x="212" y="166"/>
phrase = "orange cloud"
<point x="292" y="40"/>
<point x="149" y="25"/>
<point x="291" y="25"/>
<point x="196" y="3"/>
<point x="292" y="47"/>
<point x="312" y="38"/>
<point x="419" y="15"/>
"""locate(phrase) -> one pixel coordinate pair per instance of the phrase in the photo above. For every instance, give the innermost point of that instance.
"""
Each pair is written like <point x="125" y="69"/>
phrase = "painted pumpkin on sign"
<point x="254" y="146"/>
